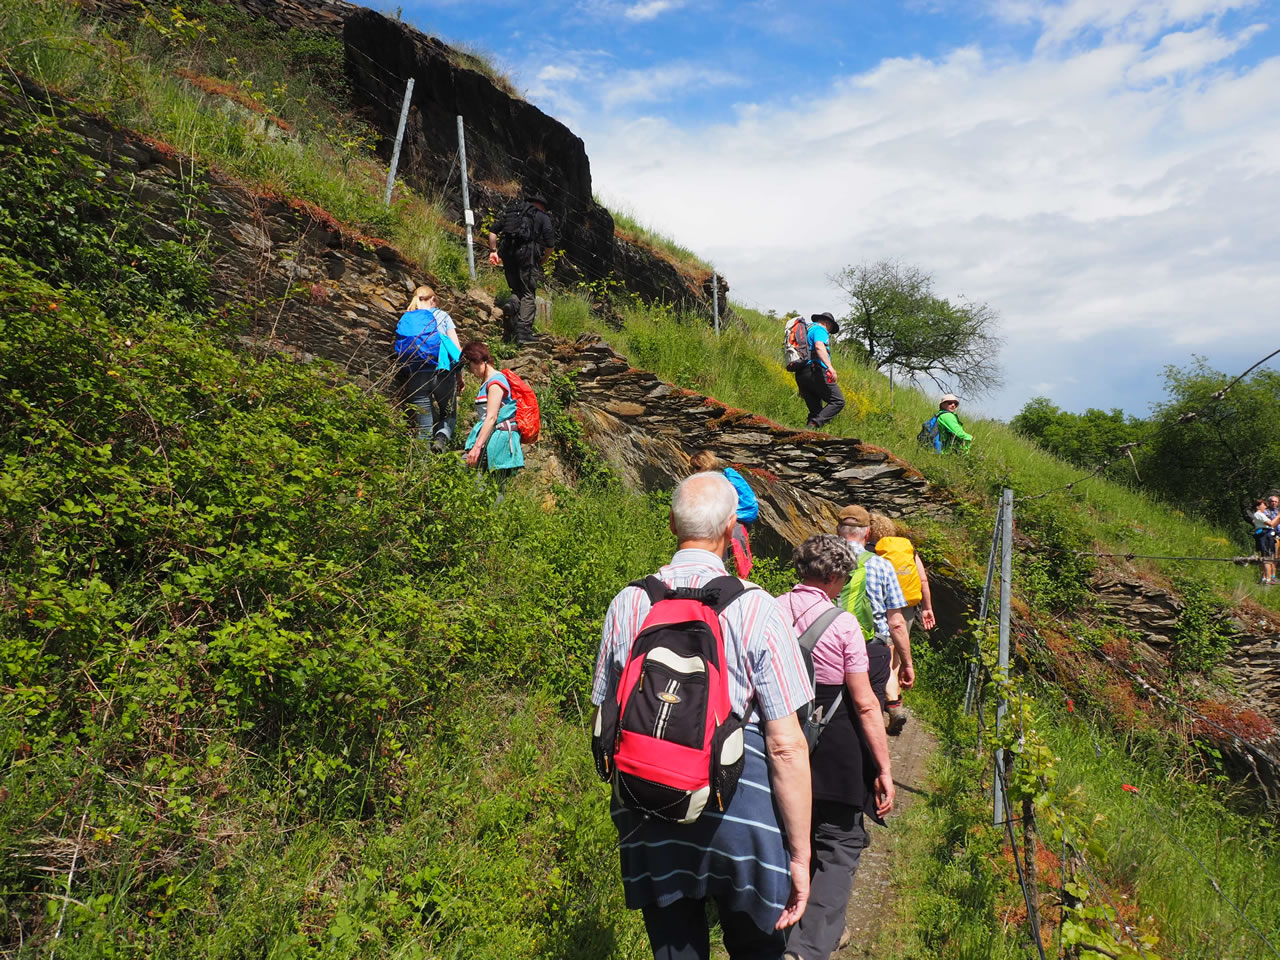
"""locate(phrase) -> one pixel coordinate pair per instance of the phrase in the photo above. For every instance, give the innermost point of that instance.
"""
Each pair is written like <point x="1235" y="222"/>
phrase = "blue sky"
<point x="1104" y="173"/>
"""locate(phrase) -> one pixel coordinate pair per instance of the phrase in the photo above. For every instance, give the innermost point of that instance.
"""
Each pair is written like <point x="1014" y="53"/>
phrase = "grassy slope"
<point x="743" y="369"/>
<point x="269" y="685"/>
<point x="130" y="73"/>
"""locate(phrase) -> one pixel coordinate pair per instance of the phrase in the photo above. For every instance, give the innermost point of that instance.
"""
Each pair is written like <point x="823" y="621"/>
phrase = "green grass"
<point x="629" y="226"/>
<point x="1149" y="845"/>
<point x="742" y="368"/>
<point x="128" y="73"/>
<point x="954" y="888"/>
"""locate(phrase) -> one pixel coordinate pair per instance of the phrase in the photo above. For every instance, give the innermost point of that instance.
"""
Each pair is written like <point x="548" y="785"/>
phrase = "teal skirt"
<point x="503" y="451"/>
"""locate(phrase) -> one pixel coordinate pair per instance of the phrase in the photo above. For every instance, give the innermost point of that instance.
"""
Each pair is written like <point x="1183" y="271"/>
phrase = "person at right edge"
<point x="524" y="240"/>
<point x="816" y="380"/>
<point x="950" y="430"/>
<point x="852" y="776"/>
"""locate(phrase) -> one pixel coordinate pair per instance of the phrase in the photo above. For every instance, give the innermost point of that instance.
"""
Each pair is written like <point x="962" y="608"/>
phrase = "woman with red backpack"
<point x="494" y="442"/>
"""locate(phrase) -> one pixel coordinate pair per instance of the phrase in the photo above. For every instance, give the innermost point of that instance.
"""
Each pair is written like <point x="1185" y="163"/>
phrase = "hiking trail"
<point x="870" y="909"/>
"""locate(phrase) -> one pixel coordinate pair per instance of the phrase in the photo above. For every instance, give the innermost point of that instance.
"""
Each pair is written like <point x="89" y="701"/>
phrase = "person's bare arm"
<point x="493" y="248"/>
<point x="902" y="643"/>
<point x="872" y="723"/>
<point x="494" y="395"/>
<point x="793" y="791"/>
<point x="927" y="619"/>
<point x="825" y="356"/>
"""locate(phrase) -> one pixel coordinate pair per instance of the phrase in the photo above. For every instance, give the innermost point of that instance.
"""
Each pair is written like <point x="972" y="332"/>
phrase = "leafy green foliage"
<point x="1216" y="464"/>
<point x="234" y="608"/>
<point x="1056" y="576"/>
<point x="1201" y="640"/>
<point x="57" y="215"/>
<point x="226" y="581"/>
<point x="1085" y="439"/>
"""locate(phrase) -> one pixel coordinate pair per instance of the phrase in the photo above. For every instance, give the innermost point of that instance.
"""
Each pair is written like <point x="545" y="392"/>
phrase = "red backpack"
<point x="528" y="416"/>
<point x="669" y="739"/>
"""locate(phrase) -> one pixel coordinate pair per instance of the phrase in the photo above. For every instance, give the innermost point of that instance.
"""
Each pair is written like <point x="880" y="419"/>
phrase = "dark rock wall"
<point x="510" y="142"/>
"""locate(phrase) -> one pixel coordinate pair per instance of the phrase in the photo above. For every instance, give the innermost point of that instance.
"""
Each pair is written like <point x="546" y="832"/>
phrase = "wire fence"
<point x="1126" y="449"/>
<point x="981" y="675"/>
<point x="691" y="285"/>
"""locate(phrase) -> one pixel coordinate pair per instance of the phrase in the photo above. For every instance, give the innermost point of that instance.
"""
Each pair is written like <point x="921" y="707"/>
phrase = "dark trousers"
<point x="430" y="388"/>
<point x="522" y="278"/>
<point x="839" y="838"/>
<point x="823" y="399"/>
<point x="879" y="665"/>
<point x="680" y="932"/>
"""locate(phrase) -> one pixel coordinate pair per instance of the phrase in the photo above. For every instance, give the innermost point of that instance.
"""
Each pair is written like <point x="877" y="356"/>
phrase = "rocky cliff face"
<point x="510" y="142"/>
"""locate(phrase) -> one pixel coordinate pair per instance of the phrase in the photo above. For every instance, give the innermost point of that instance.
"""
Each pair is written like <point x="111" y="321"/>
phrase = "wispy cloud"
<point x="650" y="9"/>
<point x="661" y="82"/>
<point x="1127" y="21"/>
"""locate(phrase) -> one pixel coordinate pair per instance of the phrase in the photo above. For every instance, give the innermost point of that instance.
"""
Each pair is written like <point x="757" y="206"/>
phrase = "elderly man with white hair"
<point x="752" y="859"/>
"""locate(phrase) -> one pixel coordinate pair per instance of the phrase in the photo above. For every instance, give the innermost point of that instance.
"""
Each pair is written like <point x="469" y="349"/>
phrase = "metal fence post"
<point x="971" y="687"/>
<point x="715" y="300"/>
<point x="395" y="153"/>
<point x="467" y="215"/>
<point x="1002" y="662"/>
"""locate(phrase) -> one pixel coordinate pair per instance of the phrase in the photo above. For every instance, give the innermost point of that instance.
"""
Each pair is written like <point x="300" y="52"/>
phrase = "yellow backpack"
<point x="900" y="552"/>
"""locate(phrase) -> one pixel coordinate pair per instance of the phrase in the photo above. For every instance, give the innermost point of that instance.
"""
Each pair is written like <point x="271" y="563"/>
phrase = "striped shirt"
<point x="767" y="673"/>
<point x="883" y="589"/>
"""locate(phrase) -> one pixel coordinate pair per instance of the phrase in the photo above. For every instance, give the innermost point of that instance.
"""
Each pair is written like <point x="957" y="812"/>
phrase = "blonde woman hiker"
<point x="748" y="508"/>
<point x="915" y="588"/>
<point x="428" y="347"/>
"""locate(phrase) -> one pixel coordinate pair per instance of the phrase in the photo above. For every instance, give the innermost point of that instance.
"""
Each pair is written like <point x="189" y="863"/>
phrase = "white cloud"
<point x="660" y="83"/>
<point x="1118" y="202"/>
<point x="1130" y="21"/>
<point x="650" y="9"/>
<point x="556" y="74"/>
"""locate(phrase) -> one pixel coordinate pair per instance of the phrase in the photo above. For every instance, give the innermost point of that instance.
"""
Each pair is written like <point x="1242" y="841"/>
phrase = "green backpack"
<point x="854" y="599"/>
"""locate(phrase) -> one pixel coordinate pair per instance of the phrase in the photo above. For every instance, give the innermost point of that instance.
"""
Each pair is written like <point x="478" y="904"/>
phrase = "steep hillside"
<point x="245" y="631"/>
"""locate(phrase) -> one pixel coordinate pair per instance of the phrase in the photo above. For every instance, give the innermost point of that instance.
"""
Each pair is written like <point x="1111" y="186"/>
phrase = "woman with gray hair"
<point x="850" y="763"/>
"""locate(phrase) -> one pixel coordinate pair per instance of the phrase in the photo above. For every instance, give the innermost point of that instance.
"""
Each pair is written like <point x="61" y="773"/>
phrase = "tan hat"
<point x="949" y="398"/>
<point x="857" y="514"/>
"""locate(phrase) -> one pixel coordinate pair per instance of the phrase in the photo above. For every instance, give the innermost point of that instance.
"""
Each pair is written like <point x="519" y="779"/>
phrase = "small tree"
<point x="898" y="321"/>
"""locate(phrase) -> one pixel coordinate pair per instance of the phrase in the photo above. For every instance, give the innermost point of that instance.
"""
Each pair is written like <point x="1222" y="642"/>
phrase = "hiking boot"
<point x="897" y="719"/>
<point x="440" y="444"/>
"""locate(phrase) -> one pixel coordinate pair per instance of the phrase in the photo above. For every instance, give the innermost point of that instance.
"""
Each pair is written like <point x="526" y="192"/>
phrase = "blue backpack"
<point x="930" y="434"/>
<point x="418" y="339"/>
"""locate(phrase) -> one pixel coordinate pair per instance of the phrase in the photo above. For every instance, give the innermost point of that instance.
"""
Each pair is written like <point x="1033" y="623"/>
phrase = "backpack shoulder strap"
<point x="717" y="593"/>
<point x="813" y="633"/>
<point x="722" y="591"/>
<point x="651" y="585"/>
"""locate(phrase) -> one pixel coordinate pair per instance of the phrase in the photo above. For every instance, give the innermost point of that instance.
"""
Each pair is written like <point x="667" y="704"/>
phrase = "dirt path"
<point x="872" y="896"/>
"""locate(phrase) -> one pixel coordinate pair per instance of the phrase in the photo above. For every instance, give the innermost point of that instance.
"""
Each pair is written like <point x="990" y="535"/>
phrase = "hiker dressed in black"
<point x="816" y="380"/>
<point x="525" y="238"/>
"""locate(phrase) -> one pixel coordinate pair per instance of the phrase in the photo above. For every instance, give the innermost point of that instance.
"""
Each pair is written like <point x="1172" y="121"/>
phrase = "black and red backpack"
<point x="669" y="739"/>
